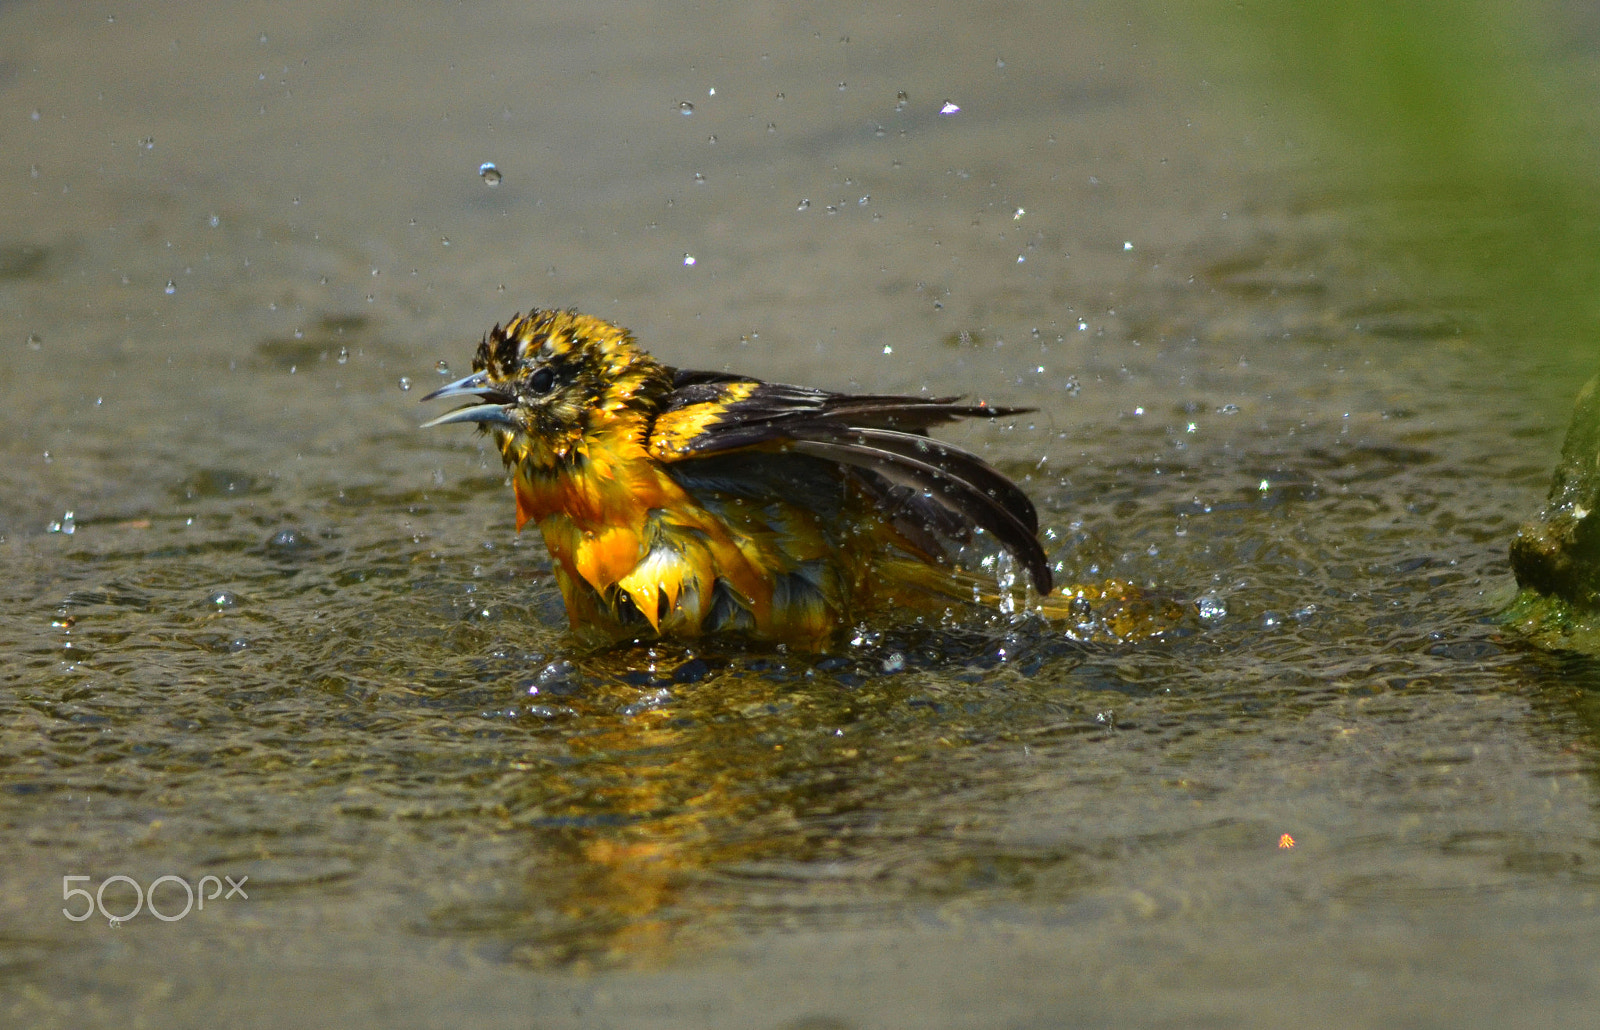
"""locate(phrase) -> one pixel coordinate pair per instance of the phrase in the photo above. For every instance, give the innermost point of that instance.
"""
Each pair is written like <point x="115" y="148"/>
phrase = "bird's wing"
<point x="884" y="436"/>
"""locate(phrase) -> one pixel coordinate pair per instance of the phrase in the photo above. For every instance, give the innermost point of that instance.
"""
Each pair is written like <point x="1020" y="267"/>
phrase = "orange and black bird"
<point x="677" y="504"/>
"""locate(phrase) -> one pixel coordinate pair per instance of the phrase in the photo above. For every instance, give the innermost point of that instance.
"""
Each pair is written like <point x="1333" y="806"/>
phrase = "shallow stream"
<point x="255" y="624"/>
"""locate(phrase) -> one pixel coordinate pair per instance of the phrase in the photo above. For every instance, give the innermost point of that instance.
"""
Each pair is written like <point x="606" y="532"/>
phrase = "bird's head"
<point x="548" y="379"/>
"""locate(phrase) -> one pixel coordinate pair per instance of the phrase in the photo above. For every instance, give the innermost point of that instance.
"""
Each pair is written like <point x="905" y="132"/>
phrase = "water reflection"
<point x="695" y="794"/>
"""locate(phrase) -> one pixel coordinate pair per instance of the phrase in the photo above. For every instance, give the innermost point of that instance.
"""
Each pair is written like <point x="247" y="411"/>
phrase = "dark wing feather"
<point x="745" y="402"/>
<point x="911" y="414"/>
<point x="947" y="458"/>
<point x="923" y="520"/>
<point x="948" y="489"/>
<point x="957" y="495"/>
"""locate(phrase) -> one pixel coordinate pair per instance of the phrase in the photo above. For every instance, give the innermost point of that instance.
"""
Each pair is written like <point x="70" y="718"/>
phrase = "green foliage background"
<point x="1468" y="124"/>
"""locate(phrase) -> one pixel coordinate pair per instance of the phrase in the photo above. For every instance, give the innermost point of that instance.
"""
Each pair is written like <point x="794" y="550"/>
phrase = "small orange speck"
<point x="1286" y="841"/>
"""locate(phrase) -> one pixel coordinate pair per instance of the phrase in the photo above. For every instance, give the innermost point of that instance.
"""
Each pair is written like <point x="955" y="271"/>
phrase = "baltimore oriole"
<point x="677" y="503"/>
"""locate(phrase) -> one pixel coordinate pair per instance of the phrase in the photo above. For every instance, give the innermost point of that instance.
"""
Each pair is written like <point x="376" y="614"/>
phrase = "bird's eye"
<point x="542" y="380"/>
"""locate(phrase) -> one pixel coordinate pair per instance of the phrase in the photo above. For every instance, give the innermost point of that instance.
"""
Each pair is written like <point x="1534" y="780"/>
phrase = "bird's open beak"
<point x="495" y="407"/>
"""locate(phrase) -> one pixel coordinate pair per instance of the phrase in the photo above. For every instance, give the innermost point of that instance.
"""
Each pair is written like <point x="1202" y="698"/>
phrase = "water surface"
<point x="256" y="624"/>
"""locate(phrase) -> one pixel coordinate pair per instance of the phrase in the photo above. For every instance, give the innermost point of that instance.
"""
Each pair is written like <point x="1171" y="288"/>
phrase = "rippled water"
<point x="284" y="635"/>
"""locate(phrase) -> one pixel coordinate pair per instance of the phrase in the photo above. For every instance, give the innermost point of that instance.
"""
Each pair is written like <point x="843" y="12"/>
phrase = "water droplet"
<point x="405" y="382"/>
<point x="1127" y="244"/>
<point x="712" y="138"/>
<point x="688" y="259"/>
<point x="699" y="179"/>
<point x="864" y="201"/>
<point x="842" y="87"/>
<point x="1016" y="216"/>
<point x="344" y="355"/>
<point x="685" y="108"/>
<point x="772" y="127"/>
<point x="901" y="101"/>
<point x="1073" y="387"/>
<point x="803" y="205"/>
<point x="489" y="174"/>
<point x="172" y="287"/>
<point x="222" y="599"/>
<point x="214" y="221"/>
<point x="35" y="341"/>
<point x="558" y="678"/>
<point x="949" y="108"/>
<point x="880" y="132"/>
<point x="888" y="348"/>
<point x="66" y="527"/>
<point x="444" y="240"/>
<point x="1228" y="409"/>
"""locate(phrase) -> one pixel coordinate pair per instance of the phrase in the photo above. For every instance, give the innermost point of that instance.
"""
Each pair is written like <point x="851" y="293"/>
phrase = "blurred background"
<point x="1469" y="130"/>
